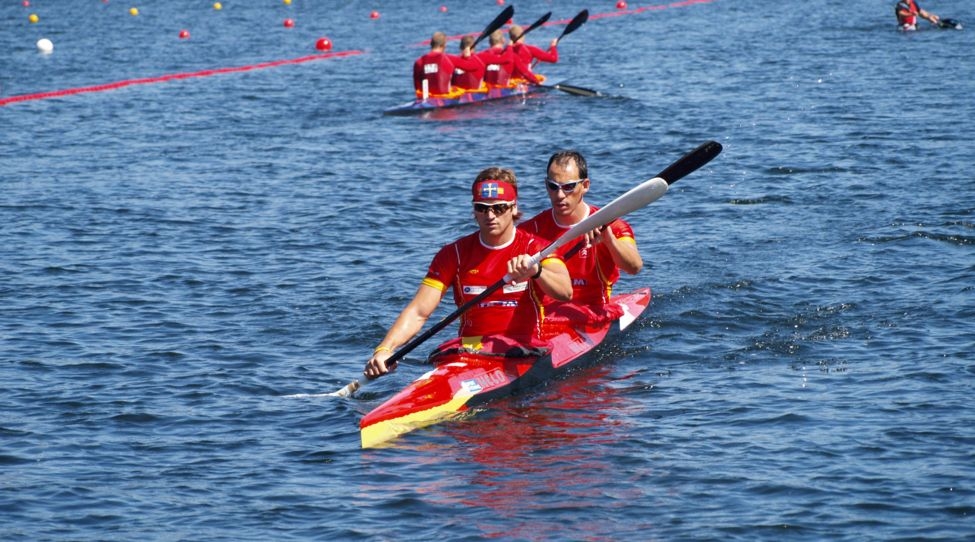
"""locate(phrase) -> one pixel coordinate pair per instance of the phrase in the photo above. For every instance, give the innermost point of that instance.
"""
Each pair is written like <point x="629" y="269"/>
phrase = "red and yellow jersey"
<point x="592" y="269"/>
<point x="470" y="267"/>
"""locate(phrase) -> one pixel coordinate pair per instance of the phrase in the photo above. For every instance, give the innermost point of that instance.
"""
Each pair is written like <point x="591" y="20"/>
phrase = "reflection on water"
<point x="545" y="451"/>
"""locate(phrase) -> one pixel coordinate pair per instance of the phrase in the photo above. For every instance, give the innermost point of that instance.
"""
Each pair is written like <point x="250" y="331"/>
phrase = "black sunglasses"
<point x="568" y="187"/>
<point x="498" y="208"/>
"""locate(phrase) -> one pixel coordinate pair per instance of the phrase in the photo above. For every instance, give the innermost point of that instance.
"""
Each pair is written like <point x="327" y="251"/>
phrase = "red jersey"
<point x="498" y="65"/>
<point x="468" y="72"/>
<point x="906" y="11"/>
<point x="469" y="267"/>
<point x="527" y="53"/>
<point x="436" y="68"/>
<point x="592" y="269"/>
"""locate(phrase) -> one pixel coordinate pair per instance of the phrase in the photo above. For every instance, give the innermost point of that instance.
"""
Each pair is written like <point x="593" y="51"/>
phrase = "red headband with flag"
<point x="494" y="190"/>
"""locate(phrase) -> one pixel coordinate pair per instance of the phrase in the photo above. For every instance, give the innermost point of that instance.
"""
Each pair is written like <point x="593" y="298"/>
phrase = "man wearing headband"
<point x="596" y="265"/>
<point x="471" y="264"/>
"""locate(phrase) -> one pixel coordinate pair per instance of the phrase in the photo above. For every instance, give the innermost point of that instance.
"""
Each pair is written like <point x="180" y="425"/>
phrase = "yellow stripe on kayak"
<point x="385" y="430"/>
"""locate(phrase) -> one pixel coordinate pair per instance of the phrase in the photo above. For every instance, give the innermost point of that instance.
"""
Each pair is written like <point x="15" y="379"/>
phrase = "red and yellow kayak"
<point x="466" y="376"/>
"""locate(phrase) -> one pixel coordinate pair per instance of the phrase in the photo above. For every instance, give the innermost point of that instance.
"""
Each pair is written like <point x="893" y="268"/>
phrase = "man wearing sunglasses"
<point x="469" y="265"/>
<point x="601" y="254"/>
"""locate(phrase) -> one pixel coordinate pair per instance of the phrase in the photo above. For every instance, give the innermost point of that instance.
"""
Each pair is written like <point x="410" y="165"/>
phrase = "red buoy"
<point x="184" y="34"/>
<point x="323" y="44"/>
<point x="289" y="23"/>
<point x="621" y="4"/>
<point x="374" y="14"/>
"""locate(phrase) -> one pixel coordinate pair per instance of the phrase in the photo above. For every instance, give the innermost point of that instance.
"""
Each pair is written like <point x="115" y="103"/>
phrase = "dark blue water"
<point x="177" y="258"/>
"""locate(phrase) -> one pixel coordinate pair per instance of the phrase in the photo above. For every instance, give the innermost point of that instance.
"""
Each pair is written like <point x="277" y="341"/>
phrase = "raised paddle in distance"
<point x="577" y="21"/>
<point x="636" y="198"/>
<point x="537" y="23"/>
<point x="497" y="23"/>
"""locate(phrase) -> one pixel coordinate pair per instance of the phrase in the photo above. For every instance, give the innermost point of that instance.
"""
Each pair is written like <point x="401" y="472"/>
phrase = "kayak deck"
<point x="464" y="379"/>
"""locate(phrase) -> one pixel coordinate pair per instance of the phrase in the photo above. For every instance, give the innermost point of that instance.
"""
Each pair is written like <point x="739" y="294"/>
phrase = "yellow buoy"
<point x="33" y="18"/>
<point x="133" y="11"/>
<point x="217" y="6"/>
<point x="287" y="2"/>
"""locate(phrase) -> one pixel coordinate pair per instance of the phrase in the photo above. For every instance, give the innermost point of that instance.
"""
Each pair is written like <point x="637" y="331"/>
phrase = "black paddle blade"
<point x="538" y="23"/>
<point x="949" y="23"/>
<point x="505" y="15"/>
<point x="577" y="21"/>
<point x="578" y="91"/>
<point x="690" y="162"/>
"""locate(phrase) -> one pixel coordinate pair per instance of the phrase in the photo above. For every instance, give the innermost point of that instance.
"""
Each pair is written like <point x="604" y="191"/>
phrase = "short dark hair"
<point x="563" y="158"/>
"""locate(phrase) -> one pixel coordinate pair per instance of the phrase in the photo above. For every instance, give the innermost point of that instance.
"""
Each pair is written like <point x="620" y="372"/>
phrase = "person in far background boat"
<point x="468" y="67"/>
<point x="434" y="69"/>
<point x="907" y="13"/>
<point x="471" y="264"/>
<point x="498" y="61"/>
<point x="501" y="65"/>
<point x="526" y="54"/>
<point x="595" y="268"/>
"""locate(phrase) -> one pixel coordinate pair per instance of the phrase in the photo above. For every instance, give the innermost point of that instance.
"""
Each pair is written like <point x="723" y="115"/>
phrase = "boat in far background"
<point x="421" y="105"/>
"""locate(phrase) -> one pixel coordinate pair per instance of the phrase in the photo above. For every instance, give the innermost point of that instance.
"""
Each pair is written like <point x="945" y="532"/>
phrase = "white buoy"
<point x="44" y="45"/>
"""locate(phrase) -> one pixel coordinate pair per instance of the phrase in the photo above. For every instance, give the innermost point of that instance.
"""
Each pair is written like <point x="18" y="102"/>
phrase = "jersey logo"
<point x="431" y="68"/>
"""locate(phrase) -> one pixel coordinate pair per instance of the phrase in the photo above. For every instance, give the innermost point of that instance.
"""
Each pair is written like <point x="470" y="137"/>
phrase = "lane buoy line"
<point x="592" y="17"/>
<point x="172" y="77"/>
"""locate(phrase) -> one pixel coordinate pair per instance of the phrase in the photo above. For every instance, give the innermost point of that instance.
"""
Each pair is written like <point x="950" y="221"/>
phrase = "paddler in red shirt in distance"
<point x="468" y="68"/>
<point x="907" y="12"/>
<point x="501" y="64"/>
<point x="526" y="54"/>
<point x="596" y="266"/>
<point x="432" y="71"/>
<point x="509" y="318"/>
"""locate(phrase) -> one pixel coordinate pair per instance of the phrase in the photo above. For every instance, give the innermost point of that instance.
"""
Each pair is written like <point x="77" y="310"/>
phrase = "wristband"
<point x="536" y="275"/>
<point x="382" y="348"/>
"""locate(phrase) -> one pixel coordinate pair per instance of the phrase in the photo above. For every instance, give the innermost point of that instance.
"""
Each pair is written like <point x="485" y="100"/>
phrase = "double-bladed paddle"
<point x="636" y="198"/>
<point x="497" y="23"/>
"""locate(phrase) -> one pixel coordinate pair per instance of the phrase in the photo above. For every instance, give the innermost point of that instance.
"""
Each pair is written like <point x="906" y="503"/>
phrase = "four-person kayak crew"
<point x="601" y="254"/>
<point x="471" y="264"/>
<point x="499" y="66"/>
<point x="908" y="11"/>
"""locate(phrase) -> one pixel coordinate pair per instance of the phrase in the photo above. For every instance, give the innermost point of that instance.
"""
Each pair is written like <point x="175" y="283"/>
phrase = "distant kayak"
<point x="467" y="98"/>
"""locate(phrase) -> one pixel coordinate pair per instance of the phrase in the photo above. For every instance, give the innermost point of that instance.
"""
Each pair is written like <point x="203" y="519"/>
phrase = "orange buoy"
<point x="323" y="44"/>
